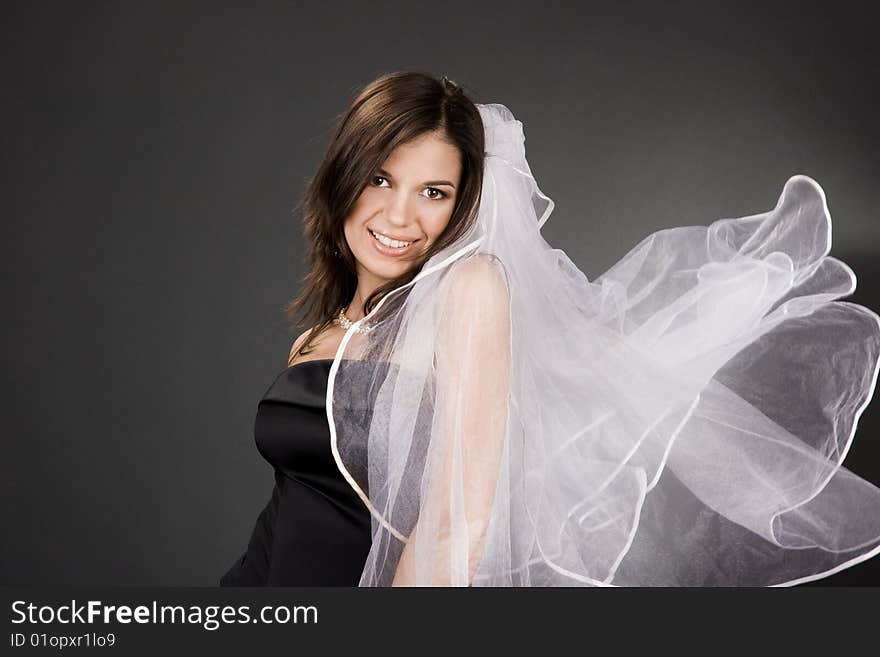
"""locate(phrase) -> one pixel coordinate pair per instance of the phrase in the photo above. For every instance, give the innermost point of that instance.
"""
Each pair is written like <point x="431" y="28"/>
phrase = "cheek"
<point x="437" y="221"/>
<point x="360" y="212"/>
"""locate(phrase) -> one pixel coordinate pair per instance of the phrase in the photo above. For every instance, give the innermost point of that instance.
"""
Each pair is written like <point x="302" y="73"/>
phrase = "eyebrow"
<point x="429" y="183"/>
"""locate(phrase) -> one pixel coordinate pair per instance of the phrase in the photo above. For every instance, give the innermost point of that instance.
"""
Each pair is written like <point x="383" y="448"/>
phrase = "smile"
<point x="389" y="246"/>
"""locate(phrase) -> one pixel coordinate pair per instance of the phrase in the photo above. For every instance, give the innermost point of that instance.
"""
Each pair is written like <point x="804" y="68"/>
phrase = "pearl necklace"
<point x="346" y="323"/>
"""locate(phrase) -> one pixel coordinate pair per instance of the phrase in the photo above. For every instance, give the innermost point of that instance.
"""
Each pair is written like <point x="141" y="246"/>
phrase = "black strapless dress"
<point x="315" y="530"/>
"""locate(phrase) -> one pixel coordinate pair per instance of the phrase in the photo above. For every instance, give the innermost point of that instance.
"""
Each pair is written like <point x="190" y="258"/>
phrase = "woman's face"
<point x="410" y="200"/>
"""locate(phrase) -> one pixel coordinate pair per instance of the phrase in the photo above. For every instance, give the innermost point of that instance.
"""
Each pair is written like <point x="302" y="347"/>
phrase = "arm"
<point x="472" y="353"/>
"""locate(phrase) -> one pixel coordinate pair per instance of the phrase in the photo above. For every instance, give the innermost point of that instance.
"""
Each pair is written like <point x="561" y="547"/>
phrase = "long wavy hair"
<point x="393" y="109"/>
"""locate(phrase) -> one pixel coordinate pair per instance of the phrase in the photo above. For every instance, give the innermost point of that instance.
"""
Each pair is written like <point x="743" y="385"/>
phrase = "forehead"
<point x="427" y="156"/>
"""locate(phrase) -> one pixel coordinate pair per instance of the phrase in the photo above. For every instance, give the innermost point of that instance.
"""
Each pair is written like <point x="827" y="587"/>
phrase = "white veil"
<point x="680" y="420"/>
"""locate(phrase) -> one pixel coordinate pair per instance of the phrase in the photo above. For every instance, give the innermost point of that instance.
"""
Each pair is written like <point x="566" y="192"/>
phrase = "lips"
<point x="390" y="250"/>
<point x="392" y="237"/>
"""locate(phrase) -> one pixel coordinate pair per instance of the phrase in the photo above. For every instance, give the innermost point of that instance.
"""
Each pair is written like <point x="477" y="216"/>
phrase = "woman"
<point x="425" y="138"/>
<point x="495" y="418"/>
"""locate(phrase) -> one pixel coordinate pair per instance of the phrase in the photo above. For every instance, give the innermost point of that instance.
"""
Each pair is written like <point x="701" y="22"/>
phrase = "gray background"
<point x="153" y="152"/>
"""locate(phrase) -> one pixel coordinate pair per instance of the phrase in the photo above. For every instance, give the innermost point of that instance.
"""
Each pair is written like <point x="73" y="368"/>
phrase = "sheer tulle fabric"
<point x="679" y="420"/>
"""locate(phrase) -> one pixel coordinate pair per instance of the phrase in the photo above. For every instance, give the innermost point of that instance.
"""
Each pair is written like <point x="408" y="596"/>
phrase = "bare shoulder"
<point x="478" y="293"/>
<point x="481" y="276"/>
<point x="475" y="314"/>
<point x="297" y="344"/>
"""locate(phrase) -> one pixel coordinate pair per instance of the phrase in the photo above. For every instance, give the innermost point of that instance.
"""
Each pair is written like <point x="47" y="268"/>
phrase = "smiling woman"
<point x="476" y="412"/>
<point x="404" y="165"/>
<point x="402" y="212"/>
<point x="400" y="181"/>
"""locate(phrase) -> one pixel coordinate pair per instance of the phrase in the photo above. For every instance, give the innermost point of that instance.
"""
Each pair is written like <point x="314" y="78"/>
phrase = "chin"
<point x="386" y="271"/>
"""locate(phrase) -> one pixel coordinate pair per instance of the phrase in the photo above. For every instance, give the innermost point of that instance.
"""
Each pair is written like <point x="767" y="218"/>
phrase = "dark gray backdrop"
<point x="152" y="153"/>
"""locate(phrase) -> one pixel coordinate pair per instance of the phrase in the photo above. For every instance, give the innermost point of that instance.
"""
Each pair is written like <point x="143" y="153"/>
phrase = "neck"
<point x="355" y="309"/>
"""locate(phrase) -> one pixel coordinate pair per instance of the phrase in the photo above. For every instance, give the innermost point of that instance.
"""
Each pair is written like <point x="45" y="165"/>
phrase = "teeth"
<point x="389" y="242"/>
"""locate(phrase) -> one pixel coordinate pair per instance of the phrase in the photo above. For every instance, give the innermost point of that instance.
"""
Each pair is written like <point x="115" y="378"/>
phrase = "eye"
<point x="435" y="194"/>
<point x="377" y="178"/>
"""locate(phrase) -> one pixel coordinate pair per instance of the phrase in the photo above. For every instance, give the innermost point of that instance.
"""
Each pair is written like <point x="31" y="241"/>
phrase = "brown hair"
<point x="393" y="109"/>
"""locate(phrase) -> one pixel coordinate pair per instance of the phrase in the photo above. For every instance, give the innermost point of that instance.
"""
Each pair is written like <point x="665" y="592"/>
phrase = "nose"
<point x="400" y="209"/>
